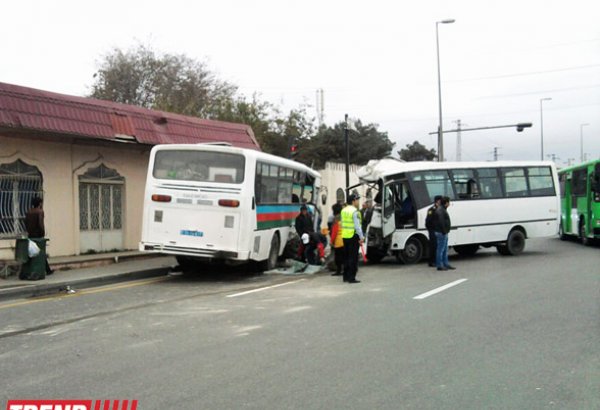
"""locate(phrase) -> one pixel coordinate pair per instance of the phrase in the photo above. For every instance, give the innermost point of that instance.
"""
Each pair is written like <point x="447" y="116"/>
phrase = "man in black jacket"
<point x="441" y="227"/>
<point x="429" y="224"/>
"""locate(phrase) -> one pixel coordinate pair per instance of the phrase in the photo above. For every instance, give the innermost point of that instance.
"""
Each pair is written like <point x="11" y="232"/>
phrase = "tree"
<point x="174" y="83"/>
<point x="417" y="152"/>
<point x="366" y="143"/>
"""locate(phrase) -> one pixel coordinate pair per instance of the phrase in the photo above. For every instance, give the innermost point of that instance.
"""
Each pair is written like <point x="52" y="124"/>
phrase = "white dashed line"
<point x="440" y="289"/>
<point x="261" y="289"/>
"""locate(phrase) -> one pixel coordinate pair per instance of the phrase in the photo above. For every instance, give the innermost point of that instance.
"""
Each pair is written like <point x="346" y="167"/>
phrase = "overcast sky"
<point x="375" y="60"/>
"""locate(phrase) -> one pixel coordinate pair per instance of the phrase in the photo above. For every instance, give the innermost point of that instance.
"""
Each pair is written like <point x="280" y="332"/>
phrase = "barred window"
<point x="19" y="184"/>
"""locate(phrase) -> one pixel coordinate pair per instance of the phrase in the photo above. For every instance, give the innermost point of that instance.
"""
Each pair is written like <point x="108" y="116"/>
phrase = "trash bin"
<point x="33" y="268"/>
<point x="21" y="250"/>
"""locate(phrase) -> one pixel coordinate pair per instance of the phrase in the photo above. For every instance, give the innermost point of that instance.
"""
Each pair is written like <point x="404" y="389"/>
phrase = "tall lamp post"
<point x="440" y="132"/>
<point x="542" y="124"/>
<point x="581" y="138"/>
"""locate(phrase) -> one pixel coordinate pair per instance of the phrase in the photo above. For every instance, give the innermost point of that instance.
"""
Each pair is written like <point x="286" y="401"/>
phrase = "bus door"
<point x="579" y="205"/>
<point x="388" y="209"/>
<point x="565" y="184"/>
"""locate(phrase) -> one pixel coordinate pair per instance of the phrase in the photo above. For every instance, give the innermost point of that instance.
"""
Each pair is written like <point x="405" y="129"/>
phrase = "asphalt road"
<point x="511" y="333"/>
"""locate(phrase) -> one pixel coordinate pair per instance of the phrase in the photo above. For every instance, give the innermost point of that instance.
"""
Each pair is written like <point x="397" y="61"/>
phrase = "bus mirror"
<point x="324" y="199"/>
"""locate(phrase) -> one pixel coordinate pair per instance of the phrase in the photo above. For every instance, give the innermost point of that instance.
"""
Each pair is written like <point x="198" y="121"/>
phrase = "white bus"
<point x="217" y="202"/>
<point x="492" y="204"/>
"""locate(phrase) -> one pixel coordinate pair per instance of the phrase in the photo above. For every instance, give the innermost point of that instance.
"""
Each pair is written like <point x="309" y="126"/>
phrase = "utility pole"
<point x="458" y="142"/>
<point x="320" y="107"/>
<point x="496" y="155"/>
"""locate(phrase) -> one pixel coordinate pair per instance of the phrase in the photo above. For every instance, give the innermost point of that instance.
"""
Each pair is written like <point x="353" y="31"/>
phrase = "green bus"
<point x="580" y="201"/>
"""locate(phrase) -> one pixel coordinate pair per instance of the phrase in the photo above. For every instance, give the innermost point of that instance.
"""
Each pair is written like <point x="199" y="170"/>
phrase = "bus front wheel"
<point x="584" y="239"/>
<point x="412" y="252"/>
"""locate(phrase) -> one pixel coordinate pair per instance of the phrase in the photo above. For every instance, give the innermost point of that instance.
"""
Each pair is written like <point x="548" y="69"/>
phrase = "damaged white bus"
<point x="492" y="204"/>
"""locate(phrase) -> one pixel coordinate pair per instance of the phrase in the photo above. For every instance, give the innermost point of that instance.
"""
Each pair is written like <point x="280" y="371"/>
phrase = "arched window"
<point x="100" y="199"/>
<point x="19" y="184"/>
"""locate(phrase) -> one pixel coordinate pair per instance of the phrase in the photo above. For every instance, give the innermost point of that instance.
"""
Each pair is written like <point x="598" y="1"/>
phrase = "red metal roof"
<point x="27" y="109"/>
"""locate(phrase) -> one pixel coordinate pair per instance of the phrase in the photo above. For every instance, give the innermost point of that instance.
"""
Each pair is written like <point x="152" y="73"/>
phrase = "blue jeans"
<point x="441" y="253"/>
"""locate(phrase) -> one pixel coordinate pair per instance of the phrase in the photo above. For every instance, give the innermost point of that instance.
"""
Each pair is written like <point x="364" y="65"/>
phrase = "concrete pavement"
<point x="88" y="271"/>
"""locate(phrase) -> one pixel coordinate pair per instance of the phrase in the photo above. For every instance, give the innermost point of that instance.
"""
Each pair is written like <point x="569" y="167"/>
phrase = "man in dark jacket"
<point x="441" y="227"/>
<point x="34" y="223"/>
<point x="429" y="224"/>
<point x="304" y="225"/>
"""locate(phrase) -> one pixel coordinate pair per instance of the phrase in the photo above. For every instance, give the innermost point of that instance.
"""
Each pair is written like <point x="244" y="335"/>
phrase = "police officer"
<point x="352" y="236"/>
<point x="429" y="224"/>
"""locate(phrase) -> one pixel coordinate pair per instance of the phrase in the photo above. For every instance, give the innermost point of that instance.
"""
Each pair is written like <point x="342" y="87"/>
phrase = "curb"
<point x="51" y="288"/>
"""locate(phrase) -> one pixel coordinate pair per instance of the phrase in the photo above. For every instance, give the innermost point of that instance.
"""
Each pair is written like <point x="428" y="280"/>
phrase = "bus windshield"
<point x="199" y="166"/>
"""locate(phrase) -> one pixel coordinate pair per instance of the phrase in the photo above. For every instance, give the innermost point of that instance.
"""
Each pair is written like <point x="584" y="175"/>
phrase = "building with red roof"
<point x="88" y="158"/>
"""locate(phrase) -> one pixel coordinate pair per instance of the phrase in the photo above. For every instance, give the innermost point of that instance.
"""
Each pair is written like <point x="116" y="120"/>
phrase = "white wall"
<point x="333" y="176"/>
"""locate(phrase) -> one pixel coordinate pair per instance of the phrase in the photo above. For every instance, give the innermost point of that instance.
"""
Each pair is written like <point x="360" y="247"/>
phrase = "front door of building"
<point x="101" y="210"/>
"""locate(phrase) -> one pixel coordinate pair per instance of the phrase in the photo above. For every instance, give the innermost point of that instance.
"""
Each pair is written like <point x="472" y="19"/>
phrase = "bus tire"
<point x="271" y="262"/>
<point x="582" y="238"/>
<point x="375" y="255"/>
<point x="412" y="252"/>
<point x="466" y="250"/>
<point x="186" y="263"/>
<point x="515" y="243"/>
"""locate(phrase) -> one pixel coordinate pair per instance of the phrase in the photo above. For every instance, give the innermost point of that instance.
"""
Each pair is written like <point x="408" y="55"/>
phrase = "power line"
<point x="525" y="73"/>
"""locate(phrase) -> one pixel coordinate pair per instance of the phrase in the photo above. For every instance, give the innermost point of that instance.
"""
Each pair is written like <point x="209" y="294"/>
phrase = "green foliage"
<point x="417" y="152"/>
<point x="175" y="83"/>
<point x="366" y="143"/>
<point x="166" y="82"/>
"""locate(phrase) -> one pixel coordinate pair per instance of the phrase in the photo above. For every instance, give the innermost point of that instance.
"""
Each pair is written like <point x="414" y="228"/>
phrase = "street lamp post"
<point x="542" y="125"/>
<point x="581" y="139"/>
<point x="440" y="131"/>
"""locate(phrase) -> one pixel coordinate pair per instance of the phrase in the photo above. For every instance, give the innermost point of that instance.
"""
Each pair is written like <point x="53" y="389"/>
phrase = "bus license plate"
<point x="186" y="232"/>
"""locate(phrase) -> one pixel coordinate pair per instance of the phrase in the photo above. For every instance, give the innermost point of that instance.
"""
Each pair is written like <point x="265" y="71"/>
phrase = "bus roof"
<point x="249" y="153"/>
<point x="579" y="166"/>
<point x="377" y="169"/>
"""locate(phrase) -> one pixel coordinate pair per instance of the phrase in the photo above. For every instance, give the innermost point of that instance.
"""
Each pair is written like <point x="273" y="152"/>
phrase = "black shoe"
<point x="354" y="281"/>
<point x="450" y="267"/>
<point x="49" y="272"/>
<point x="442" y="268"/>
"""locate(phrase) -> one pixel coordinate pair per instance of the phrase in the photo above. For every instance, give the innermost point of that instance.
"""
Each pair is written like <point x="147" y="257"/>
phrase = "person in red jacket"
<point x="337" y="243"/>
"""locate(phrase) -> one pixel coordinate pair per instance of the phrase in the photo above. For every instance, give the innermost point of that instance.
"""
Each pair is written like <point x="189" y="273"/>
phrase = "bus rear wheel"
<point x="271" y="261"/>
<point x="412" y="252"/>
<point x="515" y="243"/>
<point x="466" y="250"/>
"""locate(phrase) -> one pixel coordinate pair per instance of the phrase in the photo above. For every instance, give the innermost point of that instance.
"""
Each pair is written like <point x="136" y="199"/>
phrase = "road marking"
<point x="440" y="289"/>
<point x="83" y="292"/>
<point x="261" y="289"/>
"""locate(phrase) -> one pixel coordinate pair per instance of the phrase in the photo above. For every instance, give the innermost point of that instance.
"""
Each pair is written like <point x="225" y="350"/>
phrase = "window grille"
<point x="100" y="199"/>
<point x="19" y="184"/>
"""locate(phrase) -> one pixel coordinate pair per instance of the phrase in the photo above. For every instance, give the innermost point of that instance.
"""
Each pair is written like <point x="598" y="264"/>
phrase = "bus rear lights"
<point x="161" y="198"/>
<point x="230" y="203"/>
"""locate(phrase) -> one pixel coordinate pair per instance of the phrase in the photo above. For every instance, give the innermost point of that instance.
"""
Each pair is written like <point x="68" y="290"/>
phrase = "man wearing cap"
<point x="352" y="236"/>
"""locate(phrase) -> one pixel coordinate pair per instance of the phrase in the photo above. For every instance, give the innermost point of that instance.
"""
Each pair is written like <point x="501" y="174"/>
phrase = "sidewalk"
<point x="88" y="271"/>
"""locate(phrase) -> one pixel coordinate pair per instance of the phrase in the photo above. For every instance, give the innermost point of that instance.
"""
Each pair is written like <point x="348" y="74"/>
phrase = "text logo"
<point x="71" y="405"/>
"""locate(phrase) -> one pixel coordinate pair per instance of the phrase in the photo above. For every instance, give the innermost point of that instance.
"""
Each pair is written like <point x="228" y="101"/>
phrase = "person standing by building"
<point x="352" y="236"/>
<point x="34" y="223"/>
<point x="442" y="229"/>
<point x="429" y="224"/>
<point x="337" y="243"/>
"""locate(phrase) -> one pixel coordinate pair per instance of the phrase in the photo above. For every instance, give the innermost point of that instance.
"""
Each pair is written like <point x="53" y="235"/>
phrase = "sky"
<point x="374" y="60"/>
